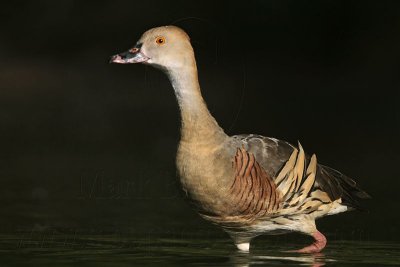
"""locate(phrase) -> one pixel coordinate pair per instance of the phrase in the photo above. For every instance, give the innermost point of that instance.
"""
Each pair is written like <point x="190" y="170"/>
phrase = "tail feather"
<point x="342" y="186"/>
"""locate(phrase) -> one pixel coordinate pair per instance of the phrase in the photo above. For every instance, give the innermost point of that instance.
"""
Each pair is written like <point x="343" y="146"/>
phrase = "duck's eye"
<point x="160" y="40"/>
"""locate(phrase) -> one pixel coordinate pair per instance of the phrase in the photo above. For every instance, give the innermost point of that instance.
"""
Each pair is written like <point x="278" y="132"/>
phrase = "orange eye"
<point x="160" y="40"/>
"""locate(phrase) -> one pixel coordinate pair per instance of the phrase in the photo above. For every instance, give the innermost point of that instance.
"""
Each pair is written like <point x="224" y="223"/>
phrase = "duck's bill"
<point x="131" y="56"/>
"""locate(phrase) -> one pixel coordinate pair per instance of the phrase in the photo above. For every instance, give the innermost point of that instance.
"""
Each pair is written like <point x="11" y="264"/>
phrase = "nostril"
<point x="133" y="50"/>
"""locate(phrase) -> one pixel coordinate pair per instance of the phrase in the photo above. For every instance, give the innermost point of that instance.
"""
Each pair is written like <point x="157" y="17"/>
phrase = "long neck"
<point x="197" y="123"/>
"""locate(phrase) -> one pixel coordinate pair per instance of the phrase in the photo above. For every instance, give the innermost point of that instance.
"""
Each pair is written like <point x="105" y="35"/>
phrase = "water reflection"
<point x="246" y="259"/>
<point x="75" y="248"/>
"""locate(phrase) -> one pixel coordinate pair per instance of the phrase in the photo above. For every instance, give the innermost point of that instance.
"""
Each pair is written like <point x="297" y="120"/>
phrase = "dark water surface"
<point x="72" y="249"/>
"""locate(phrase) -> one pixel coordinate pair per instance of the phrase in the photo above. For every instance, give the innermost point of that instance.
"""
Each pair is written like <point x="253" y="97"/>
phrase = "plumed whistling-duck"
<point x="248" y="184"/>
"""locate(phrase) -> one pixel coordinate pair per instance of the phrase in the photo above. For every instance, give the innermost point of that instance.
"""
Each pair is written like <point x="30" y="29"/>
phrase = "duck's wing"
<point x="273" y="178"/>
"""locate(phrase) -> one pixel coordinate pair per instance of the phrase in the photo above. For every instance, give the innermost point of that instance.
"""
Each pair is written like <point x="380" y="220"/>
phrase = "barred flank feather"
<point x="253" y="190"/>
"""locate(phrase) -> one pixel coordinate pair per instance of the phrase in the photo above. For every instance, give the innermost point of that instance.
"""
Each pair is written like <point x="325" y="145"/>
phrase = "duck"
<point x="247" y="184"/>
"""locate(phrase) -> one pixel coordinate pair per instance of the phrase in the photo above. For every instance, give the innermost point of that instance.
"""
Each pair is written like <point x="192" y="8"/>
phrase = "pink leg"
<point x="317" y="246"/>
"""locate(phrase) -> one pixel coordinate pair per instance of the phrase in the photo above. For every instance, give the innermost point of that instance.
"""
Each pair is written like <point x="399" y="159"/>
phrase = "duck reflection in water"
<point x="240" y="259"/>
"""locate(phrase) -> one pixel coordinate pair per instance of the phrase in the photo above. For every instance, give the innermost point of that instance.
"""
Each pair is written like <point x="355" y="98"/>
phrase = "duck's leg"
<point x="242" y="241"/>
<point x="317" y="246"/>
<point x="243" y="247"/>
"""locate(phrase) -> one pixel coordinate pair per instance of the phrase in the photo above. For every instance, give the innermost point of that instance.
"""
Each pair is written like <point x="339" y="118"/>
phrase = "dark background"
<point x="90" y="147"/>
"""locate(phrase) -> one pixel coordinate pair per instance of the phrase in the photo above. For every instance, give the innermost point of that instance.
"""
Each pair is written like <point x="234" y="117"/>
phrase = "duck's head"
<point x="163" y="47"/>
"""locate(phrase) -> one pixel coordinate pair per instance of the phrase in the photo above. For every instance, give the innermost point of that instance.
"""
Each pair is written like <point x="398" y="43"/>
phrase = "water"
<point x="45" y="248"/>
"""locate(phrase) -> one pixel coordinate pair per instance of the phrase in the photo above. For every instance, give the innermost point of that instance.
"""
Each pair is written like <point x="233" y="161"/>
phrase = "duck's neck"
<point x="198" y="125"/>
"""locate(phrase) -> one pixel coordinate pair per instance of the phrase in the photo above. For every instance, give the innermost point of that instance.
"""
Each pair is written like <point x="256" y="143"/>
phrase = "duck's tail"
<point x="343" y="187"/>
